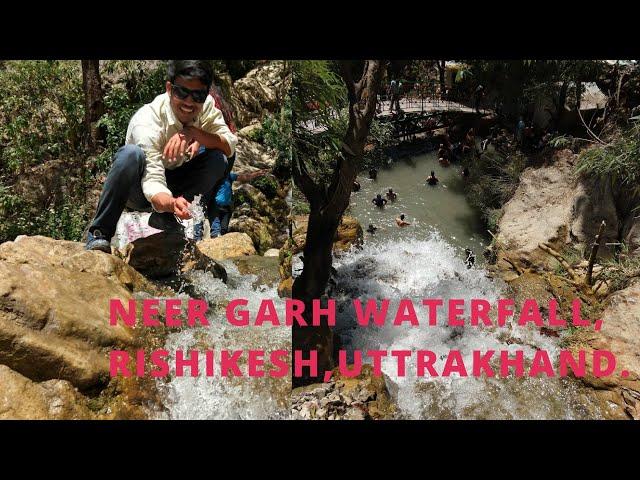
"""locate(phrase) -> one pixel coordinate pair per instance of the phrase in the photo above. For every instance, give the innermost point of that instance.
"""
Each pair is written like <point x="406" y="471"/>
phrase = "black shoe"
<point x="97" y="241"/>
<point x="166" y="222"/>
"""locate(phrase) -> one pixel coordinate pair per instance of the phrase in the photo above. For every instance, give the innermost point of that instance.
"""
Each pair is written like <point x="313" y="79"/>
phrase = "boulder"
<point x="231" y="245"/>
<point x="349" y="233"/>
<point x="272" y="252"/>
<point x="23" y="399"/>
<point x="264" y="268"/>
<point x="44" y="251"/>
<point x="251" y="156"/>
<point x="168" y="253"/>
<point x="255" y="229"/>
<point x="258" y="92"/>
<point x="250" y="130"/>
<point x="593" y="201"/>
<point x="285" y="288"/>
<point x="540" y="211"/>
<point x="247" y="193"/>
<point x="54" y="309"/>
<point x="364" y="397"/>
<point x="631" y="234"/>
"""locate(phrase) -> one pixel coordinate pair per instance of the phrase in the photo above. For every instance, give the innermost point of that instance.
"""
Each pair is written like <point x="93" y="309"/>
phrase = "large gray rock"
<point x="256" y="229"/>
<point x="251" y="156"/>
<point x="540" y="210"/>
<point x="632" y="234"/>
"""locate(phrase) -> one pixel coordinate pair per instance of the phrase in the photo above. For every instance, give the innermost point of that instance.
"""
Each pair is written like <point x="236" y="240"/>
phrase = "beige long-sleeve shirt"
<point x="154" y="124"/>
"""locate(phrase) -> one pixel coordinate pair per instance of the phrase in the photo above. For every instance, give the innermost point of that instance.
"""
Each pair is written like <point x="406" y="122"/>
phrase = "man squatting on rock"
<point x="162" y="165"/>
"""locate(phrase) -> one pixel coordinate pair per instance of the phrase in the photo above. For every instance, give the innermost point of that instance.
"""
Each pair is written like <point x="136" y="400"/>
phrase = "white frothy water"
<point x="432" y="268"/>
<point x="196" y="209"/>
<point x="217" y="397"/>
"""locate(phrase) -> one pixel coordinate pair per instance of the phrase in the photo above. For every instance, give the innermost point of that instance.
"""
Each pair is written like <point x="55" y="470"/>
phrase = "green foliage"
<point x="42" y="119"/>
<point x="561" y="141"/>
<point x="619" y="160"/>
<point x="517" y="83"/>
<point x="319" y="102"/>
<point x="139" y="85"/>
<point x="301" y="208"/>
<point x="492" y="182"/>
<point x="63" y="221"/>
<point x="381" y="136"/>
<point x="275" y="133"/>
<point x="41" y="112"/>
<point x="316" y="91"/>
<point x="572" y="255"/>
<point x="267" y="185"/>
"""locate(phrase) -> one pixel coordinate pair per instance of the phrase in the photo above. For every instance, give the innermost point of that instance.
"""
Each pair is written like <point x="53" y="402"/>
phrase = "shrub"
<point x="41" y="112"/>
<point x="275" y="134"/>
<point x="619" y="160"/>
<point x="267" y="185"/>
<point x="41" y="119"/>
<point x="493" y="181"/>
<point x="139" y="85"/>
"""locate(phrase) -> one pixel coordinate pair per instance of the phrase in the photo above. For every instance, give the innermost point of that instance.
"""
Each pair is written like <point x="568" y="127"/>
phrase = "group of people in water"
<point x="390" y="196"/>
<point x="448" y="152"/>
<point x="379" y="201"/>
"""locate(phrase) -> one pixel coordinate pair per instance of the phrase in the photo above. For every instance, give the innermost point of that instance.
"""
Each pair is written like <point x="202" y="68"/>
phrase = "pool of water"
<point x="442" y="208"/>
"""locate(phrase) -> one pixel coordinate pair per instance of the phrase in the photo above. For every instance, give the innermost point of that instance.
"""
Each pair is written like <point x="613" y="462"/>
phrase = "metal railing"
<point x="423" y="101"/>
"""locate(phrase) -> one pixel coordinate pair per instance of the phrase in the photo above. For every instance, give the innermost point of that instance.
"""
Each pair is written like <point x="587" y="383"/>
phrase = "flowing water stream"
<point x="217" y="397"/>
<point x="426" y="260"/>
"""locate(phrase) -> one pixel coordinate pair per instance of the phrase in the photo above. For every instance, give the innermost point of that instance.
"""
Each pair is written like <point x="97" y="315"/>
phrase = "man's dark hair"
<point x="190" y="69"/>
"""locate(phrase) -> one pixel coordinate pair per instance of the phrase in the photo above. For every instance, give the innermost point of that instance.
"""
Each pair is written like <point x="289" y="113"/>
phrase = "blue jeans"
<point x="219" y="221"/>
<point x="123" y="186"/>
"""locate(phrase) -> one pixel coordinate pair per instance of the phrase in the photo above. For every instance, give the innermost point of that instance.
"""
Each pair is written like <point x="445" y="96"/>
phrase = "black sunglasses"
<point x="199" y="96"/>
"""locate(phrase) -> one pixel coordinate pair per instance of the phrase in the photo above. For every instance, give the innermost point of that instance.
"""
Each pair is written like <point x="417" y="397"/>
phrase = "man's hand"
<point x="181" y="208"/>
<point x="176" y="146"/>
<point x="163" y="202"/>
<point x="192" y="149"/>
<point x="209" y="140"/>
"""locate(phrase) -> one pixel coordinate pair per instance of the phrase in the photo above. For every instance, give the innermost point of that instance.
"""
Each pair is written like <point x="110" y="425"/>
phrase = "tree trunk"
<point x="578" y="95"/>
<point x="441" y="64"/>
<point x="327" y="208"/>
<point x="562" y="99"/>
<point x="93" y="101"/>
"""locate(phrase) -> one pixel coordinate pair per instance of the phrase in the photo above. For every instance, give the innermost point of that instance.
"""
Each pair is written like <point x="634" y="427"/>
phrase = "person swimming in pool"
<point x="379" y="201"/>
<point x="401" y="222"/>
<point x="471" y="258"/>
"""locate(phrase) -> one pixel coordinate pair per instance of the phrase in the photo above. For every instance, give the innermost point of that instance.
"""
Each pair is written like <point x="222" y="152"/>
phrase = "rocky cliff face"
<point x="258" y="92"/>
<point x="553" y="205"/>
<point x="618" y="394"/>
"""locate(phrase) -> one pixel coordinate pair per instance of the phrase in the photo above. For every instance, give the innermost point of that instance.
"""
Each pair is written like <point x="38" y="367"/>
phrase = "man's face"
<point x="186" y="110"/>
